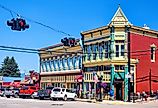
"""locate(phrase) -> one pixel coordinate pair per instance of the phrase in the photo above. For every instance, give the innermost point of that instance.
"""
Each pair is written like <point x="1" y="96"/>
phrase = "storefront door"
<point x="118" y="91"/>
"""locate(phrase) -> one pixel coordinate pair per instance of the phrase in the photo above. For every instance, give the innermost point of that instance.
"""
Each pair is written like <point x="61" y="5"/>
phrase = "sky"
<point x="70" y="16"/>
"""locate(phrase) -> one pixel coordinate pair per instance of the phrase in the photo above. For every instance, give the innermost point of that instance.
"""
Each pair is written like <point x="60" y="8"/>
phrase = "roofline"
<point x="55" y="45"/>
<point x="143" y="29"/>
<point x="94" y="30"/>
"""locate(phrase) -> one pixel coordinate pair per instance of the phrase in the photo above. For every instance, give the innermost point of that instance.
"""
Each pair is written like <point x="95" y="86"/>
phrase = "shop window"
<point x="132" y="68"/>
<point x="119" y="67"/>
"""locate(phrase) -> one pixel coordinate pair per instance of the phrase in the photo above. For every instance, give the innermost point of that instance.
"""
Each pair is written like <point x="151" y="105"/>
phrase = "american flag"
<point x="95" y="77"/>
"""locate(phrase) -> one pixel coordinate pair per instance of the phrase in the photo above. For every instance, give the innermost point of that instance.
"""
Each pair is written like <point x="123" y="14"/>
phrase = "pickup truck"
<point x="27" y="91"/>
<point x="42" y="94"/>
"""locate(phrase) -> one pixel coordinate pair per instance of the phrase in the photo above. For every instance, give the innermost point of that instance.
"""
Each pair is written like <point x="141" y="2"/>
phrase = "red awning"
<point x="15" y="84"/>
<point x="78" y="78"/>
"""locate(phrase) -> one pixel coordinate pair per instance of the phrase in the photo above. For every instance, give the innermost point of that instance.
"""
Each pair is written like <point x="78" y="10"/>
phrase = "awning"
<point x="15" y="84"/>
<point x="79" y="78"/>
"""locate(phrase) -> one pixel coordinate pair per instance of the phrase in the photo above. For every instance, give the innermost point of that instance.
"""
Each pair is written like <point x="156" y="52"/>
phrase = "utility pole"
<point x="129" y="65"/>
<point x="150" y="81"/>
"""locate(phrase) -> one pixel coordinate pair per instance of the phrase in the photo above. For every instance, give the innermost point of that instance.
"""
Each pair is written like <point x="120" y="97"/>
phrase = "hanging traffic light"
<point x="18" y="24"/>
<point x="69" y="42"/>
<point x="72" y="42"/>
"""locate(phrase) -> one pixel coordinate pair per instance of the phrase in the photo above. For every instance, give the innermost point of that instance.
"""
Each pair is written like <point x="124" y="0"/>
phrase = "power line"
<point x="39" y="23"/>
<point x="13" y="50"/>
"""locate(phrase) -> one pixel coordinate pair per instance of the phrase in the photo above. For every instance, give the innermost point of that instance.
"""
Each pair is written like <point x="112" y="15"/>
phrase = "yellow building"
<point x="60" y="66"/>
<point x="104" y="55"/>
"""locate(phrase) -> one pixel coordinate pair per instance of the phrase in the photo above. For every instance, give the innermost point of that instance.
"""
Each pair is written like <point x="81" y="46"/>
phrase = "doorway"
<point x="118" y="91"/>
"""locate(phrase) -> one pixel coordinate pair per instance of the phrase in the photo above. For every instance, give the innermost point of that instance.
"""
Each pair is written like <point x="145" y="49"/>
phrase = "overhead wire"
<point x="44" y="25"/>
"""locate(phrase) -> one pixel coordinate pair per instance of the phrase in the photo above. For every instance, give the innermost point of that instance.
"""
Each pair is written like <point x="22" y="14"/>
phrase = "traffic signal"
<point x="72" y="42"/>
<point x="69" y="42"/>
<point x="18" y="24"/>
<point x="65" y="42"/>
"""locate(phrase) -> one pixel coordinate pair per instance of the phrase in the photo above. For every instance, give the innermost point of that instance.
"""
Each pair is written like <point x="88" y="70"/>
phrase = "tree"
<point x="9" y="68"/>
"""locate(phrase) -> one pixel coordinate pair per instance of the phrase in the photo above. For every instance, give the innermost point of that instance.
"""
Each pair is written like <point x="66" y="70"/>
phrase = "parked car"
<point x="27" y="91"/>
<point x="16" y="92"/>
<point x="62" y="93"/>
<point x="2" y="92"/>
<point x="35" y="95"/>
<point x="45" y="93"/>
<point x="8" y="92"/>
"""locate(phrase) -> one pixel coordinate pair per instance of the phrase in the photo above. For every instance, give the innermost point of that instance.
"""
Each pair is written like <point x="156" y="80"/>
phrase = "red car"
<point x="27" y="91"/>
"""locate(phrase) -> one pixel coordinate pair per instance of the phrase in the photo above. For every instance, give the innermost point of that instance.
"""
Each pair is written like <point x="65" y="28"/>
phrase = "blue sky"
<point x="71" y="16"/>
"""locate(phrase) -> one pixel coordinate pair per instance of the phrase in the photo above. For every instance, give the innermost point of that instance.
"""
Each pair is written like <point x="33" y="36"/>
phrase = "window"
<point x="122" y="50"/>
<point x="94" y="51"/>
<point x="46" y="66"/>
<point x="152" y="54"/>
<point x="56" y="90"/>
<point x="68" y="63"/>
<point x="89" y="52"/>
<point x="117" y="50"/>
<point x="49" y="64"/>
<point x="132" y="68"/>
<point x="100" y="51"/>
<point x="106" y="49"/>
<point x="43" y="66"/>
<point x="119" y="67"/>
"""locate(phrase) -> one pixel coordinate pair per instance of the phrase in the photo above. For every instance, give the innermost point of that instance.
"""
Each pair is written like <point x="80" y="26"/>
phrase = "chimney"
<point x="146" y="27"/>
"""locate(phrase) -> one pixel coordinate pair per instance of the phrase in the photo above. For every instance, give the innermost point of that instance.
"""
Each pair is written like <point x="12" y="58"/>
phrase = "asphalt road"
<point x="34" y="103"/>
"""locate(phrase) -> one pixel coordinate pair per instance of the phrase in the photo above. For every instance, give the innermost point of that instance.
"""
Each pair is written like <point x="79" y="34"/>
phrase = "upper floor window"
<point x="152" y="54"/>
<point x="119" y="48"/>
<point x="89" y="52"/>
<point x="100" y="51"/>
<point x="106" y="46"/>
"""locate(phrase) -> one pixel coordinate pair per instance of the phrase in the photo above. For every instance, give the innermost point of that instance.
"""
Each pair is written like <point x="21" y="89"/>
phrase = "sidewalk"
<point x="104" y="101"/>
<point x="115" y="102"/>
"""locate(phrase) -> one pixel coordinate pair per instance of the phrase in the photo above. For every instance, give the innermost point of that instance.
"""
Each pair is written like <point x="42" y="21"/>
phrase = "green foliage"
<point x="9" y="68"/>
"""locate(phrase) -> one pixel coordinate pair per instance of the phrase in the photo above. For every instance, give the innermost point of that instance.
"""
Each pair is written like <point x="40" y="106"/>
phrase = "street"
<point x="34" y="103"/>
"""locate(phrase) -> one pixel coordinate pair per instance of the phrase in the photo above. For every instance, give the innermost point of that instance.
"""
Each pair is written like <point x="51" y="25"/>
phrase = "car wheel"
<point x="32" y="97"/>
<point x="52" y="98"/>
<point x="65" y="98"/>
<point x="8" y="96"/>
<point x="3" y="95"/>
<point x="16" y="95"/>
<point x="74" y="98"/>
<point x="41" y="98"/>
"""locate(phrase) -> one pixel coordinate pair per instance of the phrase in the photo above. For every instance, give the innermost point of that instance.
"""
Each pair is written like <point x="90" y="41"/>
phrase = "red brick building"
<point x="144" y="43"/>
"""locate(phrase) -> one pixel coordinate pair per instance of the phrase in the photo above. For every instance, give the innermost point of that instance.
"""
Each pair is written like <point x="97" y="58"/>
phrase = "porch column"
<point x="112" y="77"/>
<point x="112" y="36"/>
<point x="126" y="84"/>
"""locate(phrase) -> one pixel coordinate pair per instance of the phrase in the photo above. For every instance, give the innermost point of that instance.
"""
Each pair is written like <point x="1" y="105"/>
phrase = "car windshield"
<point x="1" y="89"/>
<point x="24" y="88"/>
<point x="49" y="87"/>
<point x="57" y="90"/>
<point x="15" y="89"/>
